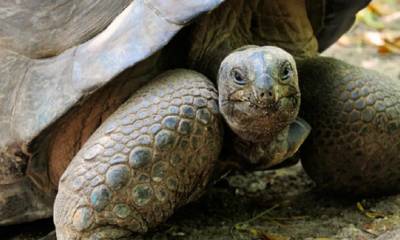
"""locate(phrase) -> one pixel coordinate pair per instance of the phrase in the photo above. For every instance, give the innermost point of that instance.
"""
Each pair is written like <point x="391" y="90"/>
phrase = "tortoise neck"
<point x="241" y="22"/>
<point x="208" y="62"/>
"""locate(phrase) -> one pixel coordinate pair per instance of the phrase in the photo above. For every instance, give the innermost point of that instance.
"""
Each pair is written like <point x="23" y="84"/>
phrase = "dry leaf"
<point x="392" y="46"/>
<point x="380" y="9"/>
<point x="369" y="214"/>
<point x="370" y="19"/>
<point x="360" y="207"/>
<point x="369" y="228"/>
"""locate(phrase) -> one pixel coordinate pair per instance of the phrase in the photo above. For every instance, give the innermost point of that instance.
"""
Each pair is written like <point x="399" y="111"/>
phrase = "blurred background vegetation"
<point x="380" y="27"/>
<point x="374" y="40"/>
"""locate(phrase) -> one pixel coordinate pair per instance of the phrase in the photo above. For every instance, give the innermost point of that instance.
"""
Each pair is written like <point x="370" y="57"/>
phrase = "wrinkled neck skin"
<point x="237" y="23"/>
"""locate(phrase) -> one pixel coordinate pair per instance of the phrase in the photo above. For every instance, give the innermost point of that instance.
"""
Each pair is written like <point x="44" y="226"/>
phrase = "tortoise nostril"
<point x="266" y="95"/>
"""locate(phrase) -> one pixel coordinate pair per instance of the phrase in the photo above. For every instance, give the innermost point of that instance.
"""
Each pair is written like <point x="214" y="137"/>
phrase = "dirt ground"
<point x="281" y="204"/>
<point x="271" y="205"/>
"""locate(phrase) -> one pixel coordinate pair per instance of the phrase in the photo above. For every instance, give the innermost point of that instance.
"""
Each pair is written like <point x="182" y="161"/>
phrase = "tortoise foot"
<point x="354" y="147"/>
<point x="154" y="154"/>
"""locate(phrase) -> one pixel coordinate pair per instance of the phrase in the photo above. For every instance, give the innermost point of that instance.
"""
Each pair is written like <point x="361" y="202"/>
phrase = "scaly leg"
<point x="153" y="155"/>
<point x="354" y="147"/>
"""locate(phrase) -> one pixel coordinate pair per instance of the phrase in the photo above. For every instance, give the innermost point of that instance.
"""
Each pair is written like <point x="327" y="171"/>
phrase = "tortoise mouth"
<point x="254" y="122"/>
<point x="283" y="104"/>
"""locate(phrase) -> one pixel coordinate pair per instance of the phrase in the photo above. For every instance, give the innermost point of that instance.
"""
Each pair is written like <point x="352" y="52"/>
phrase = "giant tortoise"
<point x="112" y="105"/>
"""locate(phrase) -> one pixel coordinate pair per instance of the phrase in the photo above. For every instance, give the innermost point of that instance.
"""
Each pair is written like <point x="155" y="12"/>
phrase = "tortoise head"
<point x="258" y="91"/>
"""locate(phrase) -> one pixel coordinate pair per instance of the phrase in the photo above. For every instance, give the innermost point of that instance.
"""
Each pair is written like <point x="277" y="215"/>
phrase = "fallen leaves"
<point x="369" y="213"/>
<point x="381" y="8"/>
<point x="390" y="45"/>
<point x="261" y="233"/>
<point x="380" y="27"/>
<point x="370" y="18"/>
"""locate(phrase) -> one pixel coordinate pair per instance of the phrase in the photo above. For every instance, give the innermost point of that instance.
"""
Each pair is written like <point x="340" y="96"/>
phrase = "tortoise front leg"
<point x="354" y="147"/>
<point x="153" y="155"/>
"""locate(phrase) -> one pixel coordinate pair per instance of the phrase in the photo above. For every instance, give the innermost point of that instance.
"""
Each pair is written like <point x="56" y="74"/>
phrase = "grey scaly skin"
<point x="262" y="94"/>
<point x="158" y="150"/>
<point x="259" y="98"/>
<point x="353" y="112"/>
<point x="65" y="67"/>
<point x="354" y="146"/>
<point x="154" y="154"/>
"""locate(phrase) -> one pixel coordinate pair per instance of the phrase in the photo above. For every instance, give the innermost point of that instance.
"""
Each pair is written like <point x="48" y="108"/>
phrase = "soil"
<point x="276" y="205"/>
<point x="271" y="205"/>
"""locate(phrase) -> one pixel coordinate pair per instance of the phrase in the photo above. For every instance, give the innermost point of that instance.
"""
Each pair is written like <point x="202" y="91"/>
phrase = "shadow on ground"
<point x="276" y="205"/>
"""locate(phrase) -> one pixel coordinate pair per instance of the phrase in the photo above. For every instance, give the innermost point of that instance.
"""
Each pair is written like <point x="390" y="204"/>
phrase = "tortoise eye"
<point x="286" y="71"/>
<point x="238" y="77"/>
